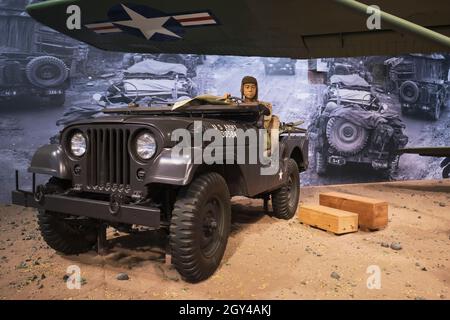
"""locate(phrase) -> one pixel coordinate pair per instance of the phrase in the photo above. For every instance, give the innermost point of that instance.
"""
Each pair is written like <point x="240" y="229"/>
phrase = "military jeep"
<point x="35" y="64"/>
<point x="119" y="170"/>
<point x="279" y="65"/>
<point x="422" y="82"/>
<point x="353" y="126"/>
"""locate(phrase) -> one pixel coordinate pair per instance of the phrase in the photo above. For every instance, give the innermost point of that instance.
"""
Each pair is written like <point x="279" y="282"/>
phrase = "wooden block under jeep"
<point x="329" y="219"/>
<point x="373" y="213"/>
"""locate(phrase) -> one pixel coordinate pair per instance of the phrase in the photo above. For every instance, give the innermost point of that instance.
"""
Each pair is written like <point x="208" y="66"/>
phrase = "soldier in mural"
<point x="79" y="61"/>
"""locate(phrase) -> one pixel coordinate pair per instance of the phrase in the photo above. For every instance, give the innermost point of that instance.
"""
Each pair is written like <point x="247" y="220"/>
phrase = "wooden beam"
<point x="329" y="219"/>
<point x="373" y="213"/>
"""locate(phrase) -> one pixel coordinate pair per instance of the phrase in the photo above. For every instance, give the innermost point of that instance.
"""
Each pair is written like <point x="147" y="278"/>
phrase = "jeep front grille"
<point x="108" y="163"/>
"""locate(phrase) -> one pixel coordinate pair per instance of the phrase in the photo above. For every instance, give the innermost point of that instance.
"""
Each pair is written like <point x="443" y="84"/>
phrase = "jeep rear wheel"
<point x="436" y="113"/>
<point x="321" y="164"/>
<point x="285" y="200"/>
<point x="200" y="225"/>
<point x="57" y="100"/>
<point x="405" y="111"/>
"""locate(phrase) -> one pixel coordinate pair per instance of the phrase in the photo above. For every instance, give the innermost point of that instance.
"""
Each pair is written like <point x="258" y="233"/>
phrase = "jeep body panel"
<point x="110" y="175"/>
<point x="50" y="159"/>
<point x="163" y="168"/>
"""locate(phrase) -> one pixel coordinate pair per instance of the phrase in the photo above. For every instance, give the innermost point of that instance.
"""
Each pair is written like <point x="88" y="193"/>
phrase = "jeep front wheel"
<point x="285" y="200"/>
<point x="199" y="228"/>
<point x="66" y="234"/>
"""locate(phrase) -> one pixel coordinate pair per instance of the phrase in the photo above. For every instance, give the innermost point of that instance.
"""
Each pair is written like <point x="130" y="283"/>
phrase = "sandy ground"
<point x="265" y="258"/>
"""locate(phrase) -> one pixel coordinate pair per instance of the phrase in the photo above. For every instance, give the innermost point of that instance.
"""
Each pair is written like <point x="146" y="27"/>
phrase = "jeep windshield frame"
<point x="252" y="110"/>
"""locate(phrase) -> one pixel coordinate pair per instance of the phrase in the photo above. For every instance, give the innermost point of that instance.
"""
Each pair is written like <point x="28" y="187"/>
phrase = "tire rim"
<point x="48" y="72"/>
<point x="212" y="226"/>
<point x="409" y="92"/>
<point x="348" y="133"/>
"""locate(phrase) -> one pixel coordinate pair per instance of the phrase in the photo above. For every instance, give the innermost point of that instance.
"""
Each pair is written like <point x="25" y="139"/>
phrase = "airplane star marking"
<point x="150" y="23"/>
<point x="148" y="26"/>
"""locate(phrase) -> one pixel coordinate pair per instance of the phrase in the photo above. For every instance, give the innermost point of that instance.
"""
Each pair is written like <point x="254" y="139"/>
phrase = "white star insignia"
<point x="148" y="26"/>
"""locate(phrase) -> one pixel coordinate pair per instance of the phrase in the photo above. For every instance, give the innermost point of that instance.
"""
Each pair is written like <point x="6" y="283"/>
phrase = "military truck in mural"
<point x="279" y="65"/>
<point x="422" y="82"/>
<point x="353" y="126"/>
<point x="34" y="60"/>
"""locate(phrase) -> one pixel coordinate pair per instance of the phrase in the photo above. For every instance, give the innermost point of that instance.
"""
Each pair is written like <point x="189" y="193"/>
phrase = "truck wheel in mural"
<point x="405" y="111"/>
<point x="58" y="100"/>
<point x="345" y="136"/>
<point x="46" y="72"/>
<point x="321" y="164"/>
<point x="390" y="171"/>
<point x="64" y="233"/>
<point x="436" y="112"/>
<point x="171" y="58"/>
<point x="409" y="91"/>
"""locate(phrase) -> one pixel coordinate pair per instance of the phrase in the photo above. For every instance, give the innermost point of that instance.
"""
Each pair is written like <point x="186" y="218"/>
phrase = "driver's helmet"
<point x="252" y="80"/>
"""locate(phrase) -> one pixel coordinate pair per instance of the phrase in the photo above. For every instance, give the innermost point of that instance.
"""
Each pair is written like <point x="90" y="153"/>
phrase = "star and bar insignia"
<point x="151" y="24"/>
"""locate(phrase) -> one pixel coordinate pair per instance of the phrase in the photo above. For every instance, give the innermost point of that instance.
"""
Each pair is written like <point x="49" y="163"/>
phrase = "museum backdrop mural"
<point x="359" y="111"/>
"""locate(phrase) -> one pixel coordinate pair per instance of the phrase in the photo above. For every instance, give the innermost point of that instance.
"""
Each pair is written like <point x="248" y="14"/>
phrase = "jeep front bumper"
<point x="112" y="211"/>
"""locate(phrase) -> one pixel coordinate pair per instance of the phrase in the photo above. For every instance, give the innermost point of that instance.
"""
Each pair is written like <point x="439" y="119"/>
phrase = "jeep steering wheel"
<point x="118" y="88"/>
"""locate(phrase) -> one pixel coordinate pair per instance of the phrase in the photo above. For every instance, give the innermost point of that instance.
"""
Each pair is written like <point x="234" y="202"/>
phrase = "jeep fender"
<point x="49" y="159"/>
<point x="171" y="170"/>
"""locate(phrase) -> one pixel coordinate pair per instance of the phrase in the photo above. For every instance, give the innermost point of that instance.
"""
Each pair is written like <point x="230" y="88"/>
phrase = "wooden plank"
<point x="373" y="213"/>
<point x="330" y="219"/>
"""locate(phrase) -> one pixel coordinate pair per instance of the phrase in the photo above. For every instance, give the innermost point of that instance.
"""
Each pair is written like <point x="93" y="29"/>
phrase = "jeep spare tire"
<point x="345" y="136"/>
<point x="46" y="72"/>
<point x="409" y="91"/>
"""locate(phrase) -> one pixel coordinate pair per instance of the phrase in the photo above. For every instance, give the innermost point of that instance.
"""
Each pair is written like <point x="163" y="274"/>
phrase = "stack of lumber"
<point x="343" y="213"/>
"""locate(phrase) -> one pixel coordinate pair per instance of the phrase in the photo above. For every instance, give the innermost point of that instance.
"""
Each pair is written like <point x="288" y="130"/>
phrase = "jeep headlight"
<point x="145" y="146"/>
<point x="78" y="144"/>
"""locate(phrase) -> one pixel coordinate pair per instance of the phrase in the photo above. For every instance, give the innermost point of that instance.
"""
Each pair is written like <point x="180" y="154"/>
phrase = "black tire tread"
<point x="280" y="199"/>
<point x="183" y="244"/>
<point x="57" y="233"/>
<point x="60" y="237"/>
<point x="30" y="69"/>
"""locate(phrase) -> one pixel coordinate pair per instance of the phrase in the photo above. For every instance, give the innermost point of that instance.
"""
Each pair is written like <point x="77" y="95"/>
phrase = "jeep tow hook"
<point x="39" y="194"/>
<point x="115" y="203"/>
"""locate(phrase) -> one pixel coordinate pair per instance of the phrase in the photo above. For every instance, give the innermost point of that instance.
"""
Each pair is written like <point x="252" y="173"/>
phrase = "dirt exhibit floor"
<point x="265" y="258"/>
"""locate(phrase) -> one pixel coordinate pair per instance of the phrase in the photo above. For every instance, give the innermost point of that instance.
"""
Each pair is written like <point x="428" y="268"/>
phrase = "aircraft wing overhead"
<point x="285" y="28"/>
